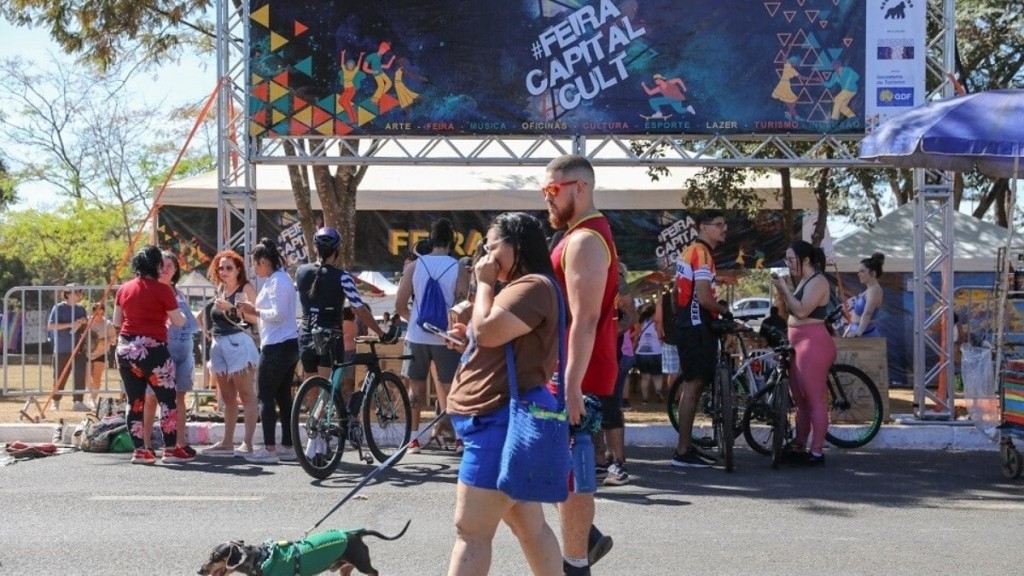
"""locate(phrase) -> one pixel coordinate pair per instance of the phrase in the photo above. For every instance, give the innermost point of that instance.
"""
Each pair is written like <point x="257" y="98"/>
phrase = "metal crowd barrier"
<point x="28" y="360"/>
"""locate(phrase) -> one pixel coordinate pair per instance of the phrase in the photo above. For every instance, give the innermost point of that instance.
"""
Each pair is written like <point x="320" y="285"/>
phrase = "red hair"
<point x="213" y="274"/>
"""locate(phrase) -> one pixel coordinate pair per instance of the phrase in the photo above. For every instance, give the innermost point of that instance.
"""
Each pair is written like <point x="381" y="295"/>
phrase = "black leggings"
<point x="274" y="387"/>
<point x="146" y="363"/>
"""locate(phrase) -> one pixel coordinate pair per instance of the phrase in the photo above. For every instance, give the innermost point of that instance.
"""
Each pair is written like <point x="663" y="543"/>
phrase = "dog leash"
<point x="362" y="483"/>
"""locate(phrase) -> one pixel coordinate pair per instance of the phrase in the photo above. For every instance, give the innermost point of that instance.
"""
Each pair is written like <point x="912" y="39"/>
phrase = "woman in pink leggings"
<point x="813" y="349"/>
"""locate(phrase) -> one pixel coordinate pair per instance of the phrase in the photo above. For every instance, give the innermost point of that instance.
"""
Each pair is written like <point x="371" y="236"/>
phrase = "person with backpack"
<point x="323" y="291"/>
<point x="435" y="282"/>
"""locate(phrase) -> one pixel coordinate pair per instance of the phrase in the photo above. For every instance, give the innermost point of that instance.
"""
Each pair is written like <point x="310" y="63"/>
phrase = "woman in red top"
<point x="142" y="309"/>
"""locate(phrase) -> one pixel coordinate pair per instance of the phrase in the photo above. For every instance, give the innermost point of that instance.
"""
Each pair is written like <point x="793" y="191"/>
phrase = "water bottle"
<point x="583" y="465"/>
<point x="58" y="432"/>
<point x="1018" y="274"/>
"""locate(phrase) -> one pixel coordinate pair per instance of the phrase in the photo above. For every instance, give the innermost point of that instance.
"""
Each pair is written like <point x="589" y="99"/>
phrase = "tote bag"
<point x="535" y="459"/>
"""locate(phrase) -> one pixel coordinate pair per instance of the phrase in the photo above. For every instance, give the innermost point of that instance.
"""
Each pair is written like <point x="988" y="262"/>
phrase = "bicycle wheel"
<point x="725" y="428"/>
<point x="757" y="420"/>
<point x="324" y="421"/>
<point x="854" y="407"/>
<point x="780" y="420"/>
<point x="386" y="422"/>
<point x="675" y="392"/>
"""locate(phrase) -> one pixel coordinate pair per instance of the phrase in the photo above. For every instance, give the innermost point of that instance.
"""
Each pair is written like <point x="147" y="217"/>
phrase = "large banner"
<point x="645" y="239"/>
<point x="565" y="67"/>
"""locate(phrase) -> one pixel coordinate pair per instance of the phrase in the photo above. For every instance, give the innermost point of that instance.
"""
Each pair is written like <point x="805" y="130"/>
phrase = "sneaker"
<point x="218" y="450"/>
<point x="808" y="459"/>
<point x="176" y="455"/>
<point x="262" y="456"/>
<point x="459" y="447"/>
<point x="286" y="453"/>
<point x="243" y="450"/>
<point x="693" y="458"/>
<point x="599" y="549"/>
<point x="601" y="470"/>
<point x="617" y="476"/>
<point x="414" y="447"/>
<point x="80" y="407"/>
<point x="143" y="456"/>
<point x="189" y="450"/>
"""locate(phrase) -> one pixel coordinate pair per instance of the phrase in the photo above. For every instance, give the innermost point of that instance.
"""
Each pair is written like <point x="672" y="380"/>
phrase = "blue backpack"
<point x="432" y="307"/>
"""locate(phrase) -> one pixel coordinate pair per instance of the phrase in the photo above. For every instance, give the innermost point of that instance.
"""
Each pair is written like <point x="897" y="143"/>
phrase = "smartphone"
<point x="442" y="333"/>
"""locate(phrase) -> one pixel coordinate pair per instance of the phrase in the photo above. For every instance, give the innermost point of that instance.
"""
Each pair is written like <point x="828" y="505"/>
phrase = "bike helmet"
<point x="328" y="238"/>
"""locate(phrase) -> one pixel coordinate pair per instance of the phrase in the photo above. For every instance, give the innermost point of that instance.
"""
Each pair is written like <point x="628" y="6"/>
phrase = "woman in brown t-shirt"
<point x="525" y="314"/>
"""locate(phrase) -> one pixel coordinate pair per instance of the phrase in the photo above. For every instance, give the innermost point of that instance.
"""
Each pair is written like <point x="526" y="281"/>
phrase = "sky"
<point x="188" y="81"/>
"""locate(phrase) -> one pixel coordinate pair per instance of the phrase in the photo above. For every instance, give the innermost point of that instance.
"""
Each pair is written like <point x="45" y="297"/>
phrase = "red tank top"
<point x="599" y="378"/>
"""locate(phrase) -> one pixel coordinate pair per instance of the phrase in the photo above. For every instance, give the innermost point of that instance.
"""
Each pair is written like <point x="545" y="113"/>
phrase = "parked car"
<point x="747" y="309"/>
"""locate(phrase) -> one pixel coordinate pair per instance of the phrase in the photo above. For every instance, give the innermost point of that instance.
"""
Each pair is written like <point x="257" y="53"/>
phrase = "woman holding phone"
<point x="525" y="314"/>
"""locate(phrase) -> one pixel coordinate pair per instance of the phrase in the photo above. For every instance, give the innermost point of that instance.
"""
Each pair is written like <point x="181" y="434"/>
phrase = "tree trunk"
<point x="821" y="197"/>
<point x="300" y="189"/>
<point x="788" y="215"/>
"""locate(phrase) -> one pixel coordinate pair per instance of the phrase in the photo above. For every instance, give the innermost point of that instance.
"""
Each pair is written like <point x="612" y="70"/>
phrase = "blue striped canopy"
<point x="984" y="130"/>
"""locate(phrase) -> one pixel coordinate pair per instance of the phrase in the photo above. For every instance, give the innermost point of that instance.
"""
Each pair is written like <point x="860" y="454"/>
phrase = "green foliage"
<point x="74" y="243"/>
<point x="754" y="283"/>
<point x="7" y="192"/>
<point x="104" y="32"/>
<point x="724" y="189"/>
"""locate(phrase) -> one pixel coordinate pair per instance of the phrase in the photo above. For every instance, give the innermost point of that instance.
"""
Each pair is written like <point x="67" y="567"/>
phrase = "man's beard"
<point x="560" y="218"/>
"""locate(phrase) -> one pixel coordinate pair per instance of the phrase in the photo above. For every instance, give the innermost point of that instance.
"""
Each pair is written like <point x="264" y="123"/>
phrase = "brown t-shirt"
<point x="481" y="383"/>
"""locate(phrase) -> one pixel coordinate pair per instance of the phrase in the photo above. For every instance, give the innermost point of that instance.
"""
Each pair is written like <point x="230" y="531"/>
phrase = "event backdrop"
<point x="481" y="67"/>
<point x="384" y="238"/>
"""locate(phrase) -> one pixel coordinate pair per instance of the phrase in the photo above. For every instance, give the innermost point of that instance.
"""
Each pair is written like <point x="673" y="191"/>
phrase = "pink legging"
<point x="814" y="351"/>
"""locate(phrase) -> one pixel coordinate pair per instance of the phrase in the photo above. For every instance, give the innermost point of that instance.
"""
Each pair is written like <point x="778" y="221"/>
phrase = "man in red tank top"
<point x="586" y="266"/>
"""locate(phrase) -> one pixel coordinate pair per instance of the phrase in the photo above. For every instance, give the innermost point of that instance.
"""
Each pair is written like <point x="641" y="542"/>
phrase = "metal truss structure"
<point x="238" y="153"/>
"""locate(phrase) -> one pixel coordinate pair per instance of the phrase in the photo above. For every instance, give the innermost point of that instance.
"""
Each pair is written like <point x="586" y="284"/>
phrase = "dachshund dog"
<point x="333" y="550"/>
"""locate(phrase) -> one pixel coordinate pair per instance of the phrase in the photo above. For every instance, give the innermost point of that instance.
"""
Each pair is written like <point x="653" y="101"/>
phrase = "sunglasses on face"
<point x="552" y="190"/>
<point x="225" y="268"/>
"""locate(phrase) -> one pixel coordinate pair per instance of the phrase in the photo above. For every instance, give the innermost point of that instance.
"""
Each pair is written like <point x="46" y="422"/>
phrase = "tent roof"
<point x="379" y="281"/>
<point x="975" y="243"/>
<point x="474" y="187"/>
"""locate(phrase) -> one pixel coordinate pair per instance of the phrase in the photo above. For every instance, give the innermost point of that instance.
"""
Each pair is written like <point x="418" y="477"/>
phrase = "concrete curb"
<point x="938" y="436"/>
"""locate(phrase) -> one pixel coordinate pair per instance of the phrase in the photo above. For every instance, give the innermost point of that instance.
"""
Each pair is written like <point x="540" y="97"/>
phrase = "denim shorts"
<point x="483" y="437"/>
<point x="233" y="354"/>
<point x="184" y="362"/>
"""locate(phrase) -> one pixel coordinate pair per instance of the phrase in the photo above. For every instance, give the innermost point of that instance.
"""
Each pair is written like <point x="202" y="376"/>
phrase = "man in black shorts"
<point x="697" y="306"/>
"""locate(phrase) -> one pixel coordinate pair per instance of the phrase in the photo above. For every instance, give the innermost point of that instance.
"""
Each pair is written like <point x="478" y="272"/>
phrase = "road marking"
<point x="158" y="498"/>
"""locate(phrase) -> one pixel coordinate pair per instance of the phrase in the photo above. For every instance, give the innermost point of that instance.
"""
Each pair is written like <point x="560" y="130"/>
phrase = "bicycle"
<point x="723" y="397"/>
<point x="854" y="404"/>
<point x="744" y="381"/>
<point x="377" y="412"/>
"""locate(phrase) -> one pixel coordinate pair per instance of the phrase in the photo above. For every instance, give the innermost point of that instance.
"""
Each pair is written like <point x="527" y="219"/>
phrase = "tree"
<point x="7" y="194"/>
<point x="82" y="133"/>
<point x="105" y="32"/>
<point x="77" y="242"/>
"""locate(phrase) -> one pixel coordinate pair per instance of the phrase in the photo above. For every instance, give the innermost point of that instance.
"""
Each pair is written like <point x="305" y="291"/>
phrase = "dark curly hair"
<point x="146" y="262"/>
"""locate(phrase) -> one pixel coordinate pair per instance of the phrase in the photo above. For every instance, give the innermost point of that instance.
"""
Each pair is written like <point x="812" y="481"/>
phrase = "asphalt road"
<point x="889" y="512"/>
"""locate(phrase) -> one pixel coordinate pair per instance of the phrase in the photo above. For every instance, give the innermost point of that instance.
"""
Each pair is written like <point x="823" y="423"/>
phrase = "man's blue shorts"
<point x="483" y="437"/>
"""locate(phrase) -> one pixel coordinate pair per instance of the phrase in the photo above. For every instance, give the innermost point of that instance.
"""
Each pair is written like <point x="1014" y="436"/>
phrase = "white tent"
<point x="975" y="243"/>
<point x="475" y="188"/>
<point x="380" y="281"/>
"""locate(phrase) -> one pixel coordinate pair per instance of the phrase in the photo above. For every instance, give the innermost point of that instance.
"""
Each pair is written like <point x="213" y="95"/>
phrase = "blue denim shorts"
<point x="184" y="362"/>
<point x="483" y="437"/>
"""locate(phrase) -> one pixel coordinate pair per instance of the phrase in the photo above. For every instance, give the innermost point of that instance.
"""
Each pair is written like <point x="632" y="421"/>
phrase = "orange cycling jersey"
<point x="694" y="263"/>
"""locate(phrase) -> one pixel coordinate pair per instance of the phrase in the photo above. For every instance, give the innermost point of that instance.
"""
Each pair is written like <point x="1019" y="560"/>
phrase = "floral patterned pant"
<point x="146" y="362"/>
